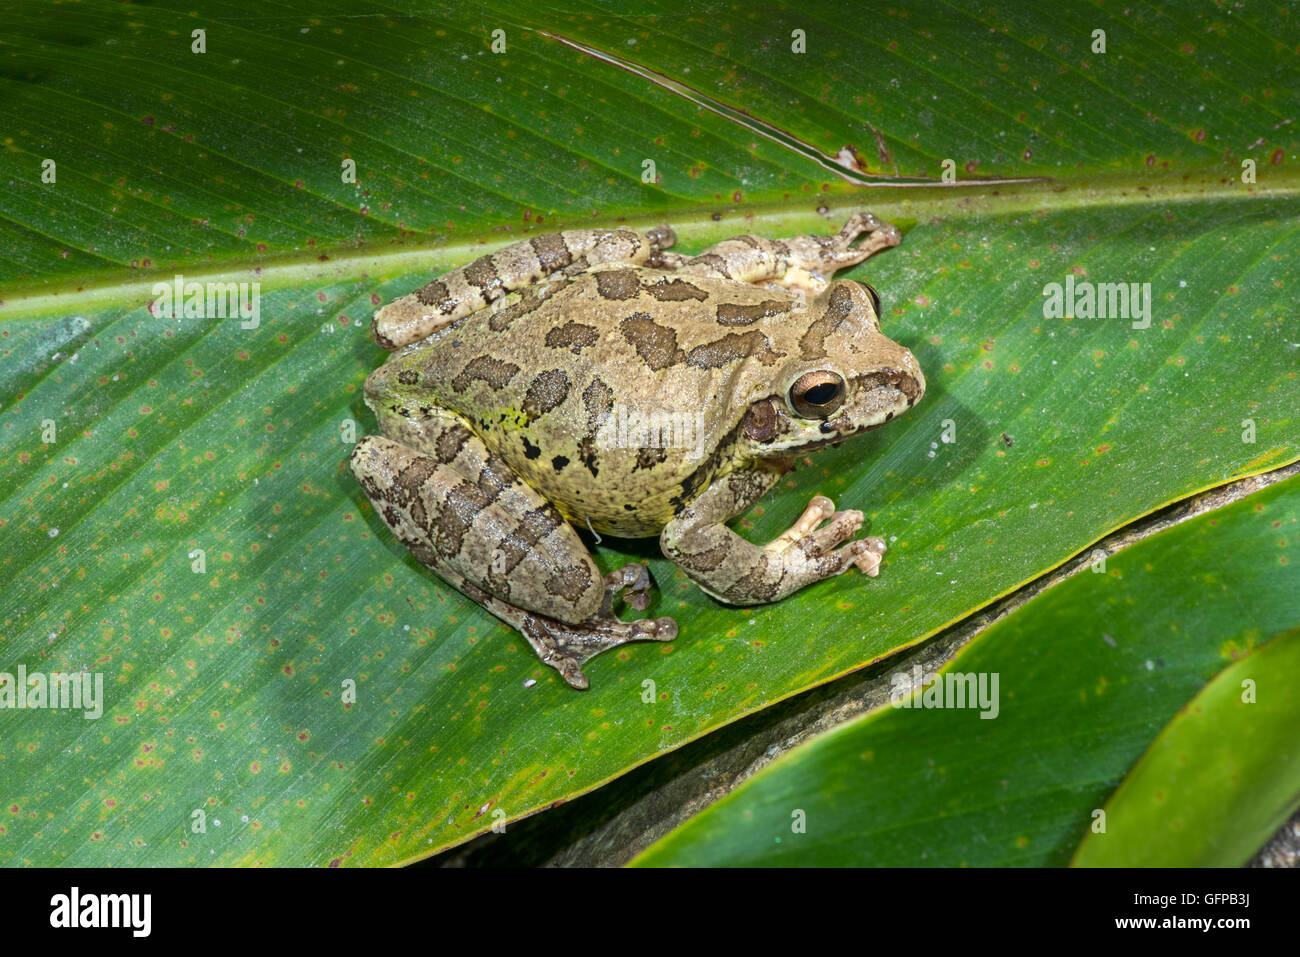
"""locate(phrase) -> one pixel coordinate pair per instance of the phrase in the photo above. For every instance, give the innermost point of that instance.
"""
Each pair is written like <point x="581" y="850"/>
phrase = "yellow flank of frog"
<point x="513" y="420"/>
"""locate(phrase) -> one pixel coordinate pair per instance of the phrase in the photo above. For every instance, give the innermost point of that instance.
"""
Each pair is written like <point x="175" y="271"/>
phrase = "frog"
<point x="597" y="380"/>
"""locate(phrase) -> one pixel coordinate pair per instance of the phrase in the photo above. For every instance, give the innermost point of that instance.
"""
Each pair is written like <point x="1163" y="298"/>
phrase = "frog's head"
<point x="848" y="379"/>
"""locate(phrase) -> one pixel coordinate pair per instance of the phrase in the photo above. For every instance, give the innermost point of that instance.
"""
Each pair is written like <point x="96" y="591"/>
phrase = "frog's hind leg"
<point x="489" y="278"/>
<point x="465" y="514"/>
<point x="801" y="262"/>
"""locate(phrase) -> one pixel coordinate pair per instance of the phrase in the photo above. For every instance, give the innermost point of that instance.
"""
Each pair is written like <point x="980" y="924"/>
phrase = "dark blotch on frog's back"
<point x="598" y="400"/>
<point x="545" y="392"/>
<point x="839" y="306"/>
<point x="497" y="373"/>
<point x="675" y="290"/>
<point x="731" y="347"/>
<point x="433" y="293"/>
<point x="551" y="252"/>
<point x="482" y="273"/>
<point x="654" y="343"/>
<point x="738" y="314"/>
<point x="574" y="336"/>
<point x="529" y="299"/>
<point x="618" y="284"/>
<point x="657" y="346"/>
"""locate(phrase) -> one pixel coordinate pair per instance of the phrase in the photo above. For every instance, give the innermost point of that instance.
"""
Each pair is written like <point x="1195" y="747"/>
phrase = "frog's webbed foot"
<point x="566" y="648"/>
<point x="838" y="251"/>
<point x="633" y="580"/>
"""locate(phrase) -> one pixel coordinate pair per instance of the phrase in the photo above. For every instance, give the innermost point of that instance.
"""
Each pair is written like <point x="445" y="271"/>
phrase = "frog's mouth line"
<point x="834" y="437"/>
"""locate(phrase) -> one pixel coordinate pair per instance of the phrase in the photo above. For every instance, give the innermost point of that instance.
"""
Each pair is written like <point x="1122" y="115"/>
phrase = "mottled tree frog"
<point x="593" y="379"/>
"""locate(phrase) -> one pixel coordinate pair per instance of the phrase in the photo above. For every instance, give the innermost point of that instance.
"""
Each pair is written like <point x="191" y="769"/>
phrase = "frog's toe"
<point x="819" y="509"/>
<point x="633" y="581"/>
<point x="865" y="222"/>
<point x="668" y="261"/>
<point x="562" y="647"/>
<point x="656" y="629"/>
<point x="571" y="671"/>
<point x="661" y="237"/>
<point x="869" y="552"/>
<point x="816" y="554"/>
<point x="878" y="235"/>
<point x="865" y="553"/>
<point x="841" y="527"/>
<point x="813" y="541"/>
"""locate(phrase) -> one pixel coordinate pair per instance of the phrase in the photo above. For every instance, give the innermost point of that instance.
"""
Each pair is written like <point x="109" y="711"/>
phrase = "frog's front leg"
<point x="458" y="293"/>
<point x="740" y="573"/>
<point x="803" y="262"/>
<point x="465" y="514"/>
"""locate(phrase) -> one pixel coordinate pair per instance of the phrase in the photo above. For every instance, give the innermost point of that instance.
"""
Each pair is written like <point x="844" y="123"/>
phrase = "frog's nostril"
<point x="904" y="381"/>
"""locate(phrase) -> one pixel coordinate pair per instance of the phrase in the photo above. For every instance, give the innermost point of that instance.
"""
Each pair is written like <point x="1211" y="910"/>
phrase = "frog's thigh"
<point x="741" y="573"/>
<point x="488" y="278"/>
<point x="465" y="514"/>
<point x="755" y="259"/>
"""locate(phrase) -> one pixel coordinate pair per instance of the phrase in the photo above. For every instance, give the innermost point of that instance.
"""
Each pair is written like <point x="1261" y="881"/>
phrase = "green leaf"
<point x="1087" y="675"/>
<point x="173" y="436"/>
<point x="1220" y="780"/>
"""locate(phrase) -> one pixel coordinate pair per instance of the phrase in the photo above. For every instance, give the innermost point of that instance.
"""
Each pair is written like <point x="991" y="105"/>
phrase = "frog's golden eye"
<point x="875" y="296"/>
<point x="816" y="395"/>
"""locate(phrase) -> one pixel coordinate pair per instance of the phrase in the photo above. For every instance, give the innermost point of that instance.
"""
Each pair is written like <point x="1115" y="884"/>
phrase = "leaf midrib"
<point x="695" y="227"/>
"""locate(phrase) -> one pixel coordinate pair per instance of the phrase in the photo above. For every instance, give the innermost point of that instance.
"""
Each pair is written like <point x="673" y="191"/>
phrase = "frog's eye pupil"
<point x="821" y="394"/>
<point x="816" y="395"/>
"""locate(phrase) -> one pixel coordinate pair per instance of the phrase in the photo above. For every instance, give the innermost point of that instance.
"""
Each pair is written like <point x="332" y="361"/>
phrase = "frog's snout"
<point x="906" y="385"/>
<point x="900" y="370"/>
<point x="911" y="380"/>
<point x="881" y="395"/>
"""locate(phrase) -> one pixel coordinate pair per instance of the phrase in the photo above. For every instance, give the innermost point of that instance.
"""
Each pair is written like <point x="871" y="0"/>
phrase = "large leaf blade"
<point x="174" y="435"/>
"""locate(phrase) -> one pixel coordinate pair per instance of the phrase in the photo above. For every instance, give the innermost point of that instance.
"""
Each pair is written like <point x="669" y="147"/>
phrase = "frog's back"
<point x="610" y="391"/>
<point x="646" y="322"/>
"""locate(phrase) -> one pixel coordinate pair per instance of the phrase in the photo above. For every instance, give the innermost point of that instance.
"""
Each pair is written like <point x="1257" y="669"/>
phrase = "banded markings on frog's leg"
<point x="469" y="510"/>
<point x="740" y="573"/>
<point x="471" y="287"/>
<point x="463" y="513"/>
<point x="800" y="261"/>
